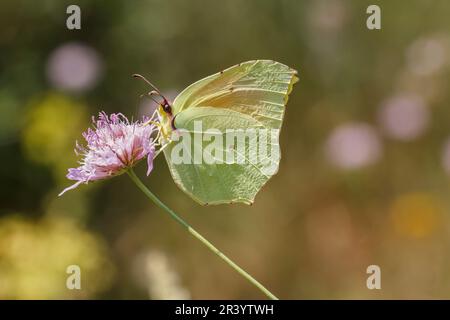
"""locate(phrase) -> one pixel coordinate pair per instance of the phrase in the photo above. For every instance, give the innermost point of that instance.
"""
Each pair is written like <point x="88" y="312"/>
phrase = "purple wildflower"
<point x="113" y="145"/>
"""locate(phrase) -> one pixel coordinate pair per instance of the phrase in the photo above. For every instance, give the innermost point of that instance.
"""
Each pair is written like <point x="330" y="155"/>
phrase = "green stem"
<point x="191" y="230"/>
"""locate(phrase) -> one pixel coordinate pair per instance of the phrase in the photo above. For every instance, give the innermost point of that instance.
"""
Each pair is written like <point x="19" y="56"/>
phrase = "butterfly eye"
<point x="167" y="108"/>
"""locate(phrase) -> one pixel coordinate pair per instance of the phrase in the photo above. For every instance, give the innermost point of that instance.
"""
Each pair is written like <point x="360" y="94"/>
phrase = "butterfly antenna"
<point x="156" y="90"/>
<point x="148" y="82"/>
<point x="150" y="96"/>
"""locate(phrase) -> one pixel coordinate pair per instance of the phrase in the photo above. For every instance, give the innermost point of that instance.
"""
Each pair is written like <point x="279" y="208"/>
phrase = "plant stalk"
<point x="197" y="235"/>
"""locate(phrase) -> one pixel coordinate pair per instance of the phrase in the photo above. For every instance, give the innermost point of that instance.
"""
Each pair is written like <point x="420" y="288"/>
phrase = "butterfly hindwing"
<point x="250" y="95"/>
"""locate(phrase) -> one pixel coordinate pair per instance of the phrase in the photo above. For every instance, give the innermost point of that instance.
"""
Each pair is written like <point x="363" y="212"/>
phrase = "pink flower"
<point x="113" y="145"/>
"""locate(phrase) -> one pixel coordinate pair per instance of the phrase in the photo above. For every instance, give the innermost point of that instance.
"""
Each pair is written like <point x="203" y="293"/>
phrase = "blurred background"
<point x="365" y="170"/>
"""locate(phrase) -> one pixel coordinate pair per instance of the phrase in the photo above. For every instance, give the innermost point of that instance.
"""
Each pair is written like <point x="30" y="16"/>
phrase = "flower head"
<point x="113" y="145"/>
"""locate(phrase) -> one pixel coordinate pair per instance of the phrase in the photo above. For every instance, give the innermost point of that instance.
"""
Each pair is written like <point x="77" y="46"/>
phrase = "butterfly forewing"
<point x="251" y="95"/>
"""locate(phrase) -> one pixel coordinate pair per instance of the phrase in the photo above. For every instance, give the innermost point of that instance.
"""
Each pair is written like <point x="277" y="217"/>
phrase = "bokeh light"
<point x="52" y="124"/>
<point x="327" y="16"/>
<point x="353" y="145"/>
<point x="404" y="117"/>
<point x="446" y="156"/>
<point x="34" y="257"/>
<point x="159" y="275"/>
<point x="429" y="55"/>
<point x="74" y="67"/>
<point x="416" y="215"/>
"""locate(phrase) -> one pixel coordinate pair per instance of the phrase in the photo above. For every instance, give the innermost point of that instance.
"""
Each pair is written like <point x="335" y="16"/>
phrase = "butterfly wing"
<point x="250" y="95"/>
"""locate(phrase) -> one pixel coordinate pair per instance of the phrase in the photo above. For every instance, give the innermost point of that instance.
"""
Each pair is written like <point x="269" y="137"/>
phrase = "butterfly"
<point x="248" y="96"/>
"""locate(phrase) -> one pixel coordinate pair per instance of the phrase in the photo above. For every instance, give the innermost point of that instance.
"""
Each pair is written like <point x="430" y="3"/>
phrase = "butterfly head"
<point x="166" y="118"/>
<point x="166" y="107"/>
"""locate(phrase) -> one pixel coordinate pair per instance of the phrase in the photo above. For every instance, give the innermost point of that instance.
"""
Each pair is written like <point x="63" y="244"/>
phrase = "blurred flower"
<point x="446" y="156"/>
<point x="74" y="67"/>
<point x="415" y="215"/>
<point x="327" y="16"/>
<point x="161" y="280"/>
<point x="404" y="117"/>
<point x="428" y="55"/>
<point x="114" y="145"/>
<point x="353" y="145"/>
<point x="34" y="257"/>
<point x="50" y="125"/>
<point x="325" y="20"/>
